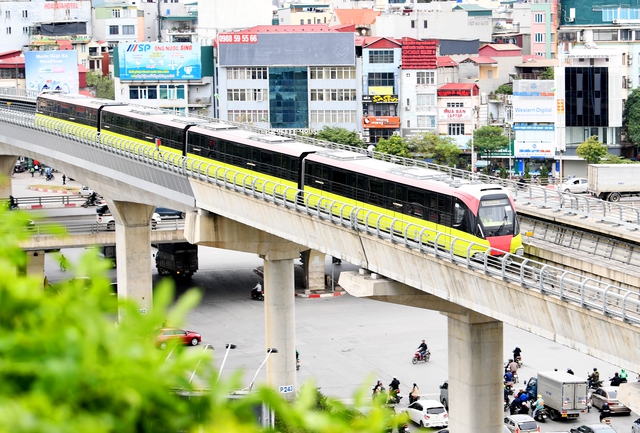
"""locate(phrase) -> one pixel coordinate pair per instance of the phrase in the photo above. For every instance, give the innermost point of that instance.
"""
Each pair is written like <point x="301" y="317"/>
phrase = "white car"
<point x="85" y="191"/>
<point x="108" y="220"/>
<point x="574" y="185"/>
<point x="428" y="413"/>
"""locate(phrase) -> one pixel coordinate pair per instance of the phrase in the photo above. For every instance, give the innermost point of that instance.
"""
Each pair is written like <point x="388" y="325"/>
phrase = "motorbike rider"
<point x="623" y="375"/>
<point x="516" y="353"/>
<point x="512" y="366"/>
<point x="616" y="380"/>
<point x="395" y="384"/>
<point x="593" y="377"/>
<point x="537" y="405"/>
<point x="13" y="204"/>
<point x="414" y="395"/>
<point x="378" y="388"/>
<point x="422" y="348"/>
<point x="257" y="290"/>
<point x="605" y="411"/>
<point x="508" y="377"/>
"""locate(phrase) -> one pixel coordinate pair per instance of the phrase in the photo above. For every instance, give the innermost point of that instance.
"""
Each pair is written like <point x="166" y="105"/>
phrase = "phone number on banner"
<point x="234" y="38"/>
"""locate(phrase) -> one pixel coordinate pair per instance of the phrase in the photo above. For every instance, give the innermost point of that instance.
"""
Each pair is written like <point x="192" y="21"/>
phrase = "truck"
<point x="564" y="395"/>
<point x="611" y="182"/>
<point x="178" y="259"/>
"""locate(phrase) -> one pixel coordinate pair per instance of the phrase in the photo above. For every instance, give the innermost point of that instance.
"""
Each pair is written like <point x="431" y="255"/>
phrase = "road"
<point x="347" y="343"/>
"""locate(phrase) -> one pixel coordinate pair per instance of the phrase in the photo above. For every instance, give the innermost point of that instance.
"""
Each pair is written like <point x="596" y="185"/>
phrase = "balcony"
<point x="203" y="101"/>
<point x="180" y="31"/>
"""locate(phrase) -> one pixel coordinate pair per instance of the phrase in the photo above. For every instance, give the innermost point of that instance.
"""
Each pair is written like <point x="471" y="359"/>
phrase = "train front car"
<point x="497" y="222"/>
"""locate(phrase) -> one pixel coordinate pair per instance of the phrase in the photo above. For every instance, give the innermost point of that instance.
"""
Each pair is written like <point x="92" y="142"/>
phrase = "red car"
<point x="165" y="335"/>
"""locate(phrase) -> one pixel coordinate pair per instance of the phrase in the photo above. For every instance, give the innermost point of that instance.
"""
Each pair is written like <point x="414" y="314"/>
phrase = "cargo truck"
<point x="611" y="182"/>
<point x="179" y="259"/>
<point x="564" y="395"/>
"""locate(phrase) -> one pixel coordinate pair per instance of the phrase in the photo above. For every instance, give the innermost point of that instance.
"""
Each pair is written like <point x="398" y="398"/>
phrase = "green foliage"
<point x="548" y="74"/>
<point x="395" y="145"/>
<point x="442" y="149"/>
<point x="544" y="172"/>
<point x="503" y="173"/>
<point x="340" y="135"/>
<point x="103" y="85"/>
<point x="65" y="367"/>
<point x="610" y="158"/>
<point x="505" y="89"/>
<point x="527" y="174"/>
<point x="447" y="153"/>
<point x="489" y="139"/>
<point x="592" y="150"/>
<point x="631" y="117"/>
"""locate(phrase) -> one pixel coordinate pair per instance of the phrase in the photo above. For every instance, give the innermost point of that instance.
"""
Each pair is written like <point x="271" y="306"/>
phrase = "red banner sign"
<point x="237" y="38"/>
<point x="386" y="122"/>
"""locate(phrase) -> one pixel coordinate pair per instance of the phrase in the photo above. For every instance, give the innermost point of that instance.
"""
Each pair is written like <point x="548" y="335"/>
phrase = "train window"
<point x="414" y="196"/>
<point x="376" y="188"/>
<point x="461" y="216"/>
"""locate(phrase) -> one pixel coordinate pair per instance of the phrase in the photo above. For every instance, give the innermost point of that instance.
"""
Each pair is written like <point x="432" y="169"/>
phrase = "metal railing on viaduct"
<point x="131" y="172"/>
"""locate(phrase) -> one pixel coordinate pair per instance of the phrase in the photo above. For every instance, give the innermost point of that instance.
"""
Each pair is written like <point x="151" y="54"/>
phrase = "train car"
<point x="73" y="109"/>
<point x="415" y="198"/>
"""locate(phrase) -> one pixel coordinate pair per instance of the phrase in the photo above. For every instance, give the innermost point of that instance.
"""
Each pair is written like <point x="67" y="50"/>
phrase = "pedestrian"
<point x="64" y="179"/>
<point x="414" y="395"/>
<point x="32" y="171"/>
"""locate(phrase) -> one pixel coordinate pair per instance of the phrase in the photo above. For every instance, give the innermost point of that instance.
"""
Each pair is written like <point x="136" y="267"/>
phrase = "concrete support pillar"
<point x="280" y="321"/>
<point x="314" y="268"/>
<point x="35" y="265"/>
<point x="7" y="162"/>
<point x="475" y="374"/>
<point x="133" y="251"/>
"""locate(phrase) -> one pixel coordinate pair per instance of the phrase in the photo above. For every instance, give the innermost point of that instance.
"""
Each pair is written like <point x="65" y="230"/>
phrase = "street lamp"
<point x="270" y="350"/>
<point x="473" y="129"/>
<point x="229" y="347"/>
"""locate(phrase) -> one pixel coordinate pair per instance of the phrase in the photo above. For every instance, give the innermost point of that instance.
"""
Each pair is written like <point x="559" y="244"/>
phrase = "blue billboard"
<point x="52" y="70"/>
<point x="159" y="61"/>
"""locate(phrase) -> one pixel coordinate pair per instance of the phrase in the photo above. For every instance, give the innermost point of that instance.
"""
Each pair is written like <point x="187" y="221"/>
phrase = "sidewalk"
<point x="23" y="185"/>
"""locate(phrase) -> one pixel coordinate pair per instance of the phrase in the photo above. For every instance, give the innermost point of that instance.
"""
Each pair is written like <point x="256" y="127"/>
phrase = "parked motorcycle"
<point x="541" y="415"/>
<point x="417" y="357"/>
<point x="257" y="294"/>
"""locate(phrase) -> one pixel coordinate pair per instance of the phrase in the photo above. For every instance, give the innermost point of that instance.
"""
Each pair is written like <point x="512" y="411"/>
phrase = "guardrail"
<point x="45" y="228"/>
<point x="46" y="200"/>
<point x="567" y="286"/>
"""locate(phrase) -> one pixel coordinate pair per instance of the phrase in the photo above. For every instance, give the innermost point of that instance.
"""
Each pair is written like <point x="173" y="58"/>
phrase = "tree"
<point x="489" y="139"/>
<point x="424" y="144"/>
<point x="66" y="367"/>
<point x="592" y="150"/>
<point x="548" y="74"/>
<point x="395" y="145"/>
<point x="610" y="158"/>
<point x="339" y="135"/>
<point x="505" y="89"/>
<point x="447" y="153"/>
<point x="631" y="117"/>
<point x="103" y="85"/>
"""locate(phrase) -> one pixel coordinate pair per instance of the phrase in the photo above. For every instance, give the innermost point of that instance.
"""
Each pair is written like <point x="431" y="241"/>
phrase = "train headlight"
<point x="520" y="251"/>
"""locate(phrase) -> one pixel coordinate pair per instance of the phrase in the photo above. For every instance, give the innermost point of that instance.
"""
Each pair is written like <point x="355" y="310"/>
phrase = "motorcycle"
<point x="518" y="407"/>
<point x="50" y="177"/>
<point x="256" y="294"/>
<point x="519" y="361"/>
<point x="541" y="415"/>
<point x="594" y="384"/>
<point x="394" y="396"/>
<point x="91" y="202"/>
<point x="417" y="357"/>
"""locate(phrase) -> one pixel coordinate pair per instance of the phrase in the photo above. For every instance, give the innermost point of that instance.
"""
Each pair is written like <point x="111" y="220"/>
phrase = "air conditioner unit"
<point x="629" y="83"/>
<point x="407" y="108"/>
<point x="630" y="59"/>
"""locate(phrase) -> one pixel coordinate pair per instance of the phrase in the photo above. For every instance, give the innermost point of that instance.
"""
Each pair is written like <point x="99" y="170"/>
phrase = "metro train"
<point x="410" y="198"/>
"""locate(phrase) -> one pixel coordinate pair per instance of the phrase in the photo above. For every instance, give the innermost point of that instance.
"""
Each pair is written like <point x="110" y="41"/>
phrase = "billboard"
<point x="159" y="61"/>
<point x="534" y="149"/>
<point x="534" y="110"/>
<point x="451" y="114"/>
<point x="52" y="70"/>
<point x="384" y="122"/>
<point x="287" y="49"/>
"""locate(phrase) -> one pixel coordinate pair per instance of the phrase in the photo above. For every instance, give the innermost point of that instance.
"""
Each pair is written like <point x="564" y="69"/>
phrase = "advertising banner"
<point x="534" y="149"/>
<point x="455" y="114"/>
<point x="541" y="110"/>
<point x="386" y="122"/>
<point x="160" y="61"/>
<point x="52" y="70"/>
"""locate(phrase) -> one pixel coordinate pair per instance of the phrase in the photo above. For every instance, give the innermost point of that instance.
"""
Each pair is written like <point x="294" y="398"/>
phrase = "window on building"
<point x="538" y="18"/>
<point x="428" y="77"/>
<point x="113" y="30"/>
<point x="381" y="56"/>
<point x="171" y="91"/>
<point x="626" y="35"/>
<point x="8" y="30"/>
<point x="455" y="104"/>
<point x="25" y="14"/>
<point x="25" y="30"/>
<point x="424" y="24"/>
<point x="426" y="99"/>
<point x="333" y="116"/>
<point x="247" y="74"/>
<point x="490" y="74"/>
<point x="413" y="24"/>
<point x="115" y="13"/>
<point x="84" y="62"/>
<point x="539" y="54"/>
<point x="248" y="115"/>
<point x="426" y="121"/>
<point x="7" y="14"/>
<point x="309" y="21"/>
<point x="246" y="94"/>
<point x="605" y="35"/>
<point x="126" y="13"/>
<point x="332" y="73"/>
<point x="538" y="37"/>
<point x="301" y="22"/>
<point x="455" y="128"/>
<point x="128" y="30"/>
<point x="381" y="79"/>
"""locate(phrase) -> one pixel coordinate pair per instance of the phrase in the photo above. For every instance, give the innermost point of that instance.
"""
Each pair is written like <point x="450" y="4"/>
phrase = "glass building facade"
<point x="288" y="97"/>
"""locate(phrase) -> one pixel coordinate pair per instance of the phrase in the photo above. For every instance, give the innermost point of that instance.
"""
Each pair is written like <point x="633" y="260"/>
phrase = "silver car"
<point x="574" y="185"/>
<point x="521" y="424"/>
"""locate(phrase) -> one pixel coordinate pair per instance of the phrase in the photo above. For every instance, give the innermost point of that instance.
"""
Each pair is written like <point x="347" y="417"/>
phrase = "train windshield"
<point x="497" y="216"/>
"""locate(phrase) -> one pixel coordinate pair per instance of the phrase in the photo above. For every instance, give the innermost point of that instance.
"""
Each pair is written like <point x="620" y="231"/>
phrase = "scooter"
<point x="256" y="294"/>
<point x="541" y="415"/>
<point x="90" y="202"/>
<point x="50" y="177"/>
<point x="417" y="357"/>
<point x="518" y="407"/>
<point x="519" y="361"/>
<point x="394" y="396"/>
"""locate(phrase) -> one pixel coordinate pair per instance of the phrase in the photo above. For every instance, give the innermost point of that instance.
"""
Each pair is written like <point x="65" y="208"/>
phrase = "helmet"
<point x="539" y="396"/>
<point x="511" y="360"/>
<point x="595" y="369"/>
